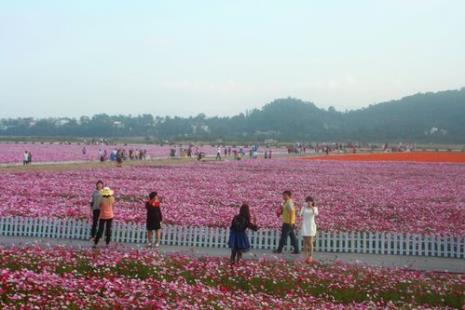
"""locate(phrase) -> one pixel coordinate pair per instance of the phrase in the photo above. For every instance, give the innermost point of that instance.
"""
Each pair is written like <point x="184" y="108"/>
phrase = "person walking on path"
<point x="288" y="213"/>
<point x="154" y="218"/>
<point x="308" y="213"/>
<point x="238" y="239"/>
<point x="106" y="216"/>
<point x="95" y="208"/>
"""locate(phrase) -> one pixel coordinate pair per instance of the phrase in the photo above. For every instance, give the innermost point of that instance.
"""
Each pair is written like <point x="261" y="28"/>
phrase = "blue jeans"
<point x="288" y="230"/>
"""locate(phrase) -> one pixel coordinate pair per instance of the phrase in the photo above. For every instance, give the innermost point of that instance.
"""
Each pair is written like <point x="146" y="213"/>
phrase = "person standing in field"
<point x="106" y="216"/>
<point x="308" y="213"/>
<point x="95" y="208"/>
<point x="218" y="153"/>
<point x="29" y="157"/>
<point x="25" y="158"/>
<point x="154" y="218"/>
<point x="119" y="158"/>
<point x="238" y="239"/>
<point x="288" y="213"/>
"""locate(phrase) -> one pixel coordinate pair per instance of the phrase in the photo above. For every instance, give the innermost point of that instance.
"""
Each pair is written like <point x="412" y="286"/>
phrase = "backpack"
<point x="239" y="223"/>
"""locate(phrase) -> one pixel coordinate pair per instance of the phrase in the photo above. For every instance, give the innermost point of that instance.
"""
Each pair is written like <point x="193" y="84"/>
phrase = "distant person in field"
<point x="119" y="158"/>
<point x="288" y="213"/>
<point x="308" y="213"/>
<point x="95" y="208"/>
<point x="25" y="158"/>
<point x="269" y="154"/>
<point x="29" y="157"/>
<point x="106" y="216"/>
<point x="238" y="239"/>
<point x="218" y="153"/>
<point x="84" y="150"/>
<point x="154" y="218"/>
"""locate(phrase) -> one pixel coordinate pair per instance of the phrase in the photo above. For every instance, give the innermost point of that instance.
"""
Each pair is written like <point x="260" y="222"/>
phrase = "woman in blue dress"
<point x="238" y="239"/>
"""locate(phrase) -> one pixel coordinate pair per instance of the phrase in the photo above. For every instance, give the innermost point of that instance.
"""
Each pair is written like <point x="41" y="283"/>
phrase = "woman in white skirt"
<point x="308" y="229"/>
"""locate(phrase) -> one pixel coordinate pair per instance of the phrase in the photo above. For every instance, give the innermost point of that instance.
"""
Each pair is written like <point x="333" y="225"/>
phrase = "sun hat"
<point x="107" y="192"/>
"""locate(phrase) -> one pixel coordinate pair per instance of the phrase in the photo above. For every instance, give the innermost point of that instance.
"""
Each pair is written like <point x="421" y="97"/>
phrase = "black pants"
<point x="236" y="256"/>
<point x="288" y="230"/>
<point x="95" y="215"/>
<point x="101" y="224"/>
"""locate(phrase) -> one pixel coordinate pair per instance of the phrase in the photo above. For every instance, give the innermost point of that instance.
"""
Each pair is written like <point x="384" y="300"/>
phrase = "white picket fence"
<point x="265" y="239"/>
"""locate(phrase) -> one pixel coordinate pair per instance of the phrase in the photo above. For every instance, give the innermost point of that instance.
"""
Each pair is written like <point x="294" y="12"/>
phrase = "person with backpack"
<point x="95" y="208"/>
<point x="154" y="218"/>
<point x="238" y="239"/>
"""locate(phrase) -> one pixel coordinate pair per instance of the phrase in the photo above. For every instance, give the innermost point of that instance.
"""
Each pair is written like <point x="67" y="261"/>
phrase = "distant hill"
<point x="422" y="117"/>
<point x="427" y="117"/>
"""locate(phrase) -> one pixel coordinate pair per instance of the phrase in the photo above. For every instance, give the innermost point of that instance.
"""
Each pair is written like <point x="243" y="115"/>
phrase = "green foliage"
<point x="426" y="118"/>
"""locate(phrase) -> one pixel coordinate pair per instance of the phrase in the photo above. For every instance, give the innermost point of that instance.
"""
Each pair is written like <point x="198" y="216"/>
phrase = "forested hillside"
<point x="429" y="117"/>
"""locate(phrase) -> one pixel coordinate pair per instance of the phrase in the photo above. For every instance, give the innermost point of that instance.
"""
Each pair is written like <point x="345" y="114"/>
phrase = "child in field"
<point x="238" y="239"/>
<point x="154" y="218"/>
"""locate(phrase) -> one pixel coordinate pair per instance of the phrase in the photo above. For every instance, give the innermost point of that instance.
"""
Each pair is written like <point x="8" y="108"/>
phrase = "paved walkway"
<point x="408" y="262"/>
<point x="152" y="159"/>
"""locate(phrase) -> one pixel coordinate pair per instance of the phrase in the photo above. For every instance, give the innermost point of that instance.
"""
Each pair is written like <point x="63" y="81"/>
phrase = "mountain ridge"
<point x="422" y="117"/>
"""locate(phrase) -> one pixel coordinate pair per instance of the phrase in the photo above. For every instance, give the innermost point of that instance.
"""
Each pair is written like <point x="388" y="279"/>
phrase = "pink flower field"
<point x="57" y="278"/>
<point x="352" y="196"/>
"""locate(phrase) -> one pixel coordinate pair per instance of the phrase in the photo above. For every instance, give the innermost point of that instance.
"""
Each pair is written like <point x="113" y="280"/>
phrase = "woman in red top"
<point x="154" y="218"/>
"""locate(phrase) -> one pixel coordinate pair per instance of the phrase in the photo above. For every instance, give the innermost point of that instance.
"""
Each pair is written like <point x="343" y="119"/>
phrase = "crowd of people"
<point x="102" y="204"/>
<point x="238" y="154"/>
<point x="121" y="154"/>
<point x="222" y="152"/>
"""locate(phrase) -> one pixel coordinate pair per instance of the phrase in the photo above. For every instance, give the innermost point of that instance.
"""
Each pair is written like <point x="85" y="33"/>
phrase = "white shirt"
<point x="308" y="214"/>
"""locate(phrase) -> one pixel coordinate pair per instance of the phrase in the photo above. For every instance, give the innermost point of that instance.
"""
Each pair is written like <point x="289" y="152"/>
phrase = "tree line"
<point x="426" y="117"/>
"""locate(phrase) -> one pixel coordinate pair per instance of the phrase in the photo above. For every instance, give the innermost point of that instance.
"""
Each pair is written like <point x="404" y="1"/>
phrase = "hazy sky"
<point x="72" y="58"/>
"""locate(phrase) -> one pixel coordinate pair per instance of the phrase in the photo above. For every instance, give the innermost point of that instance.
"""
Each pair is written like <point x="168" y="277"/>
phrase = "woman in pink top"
<point x="106" y="215"/>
